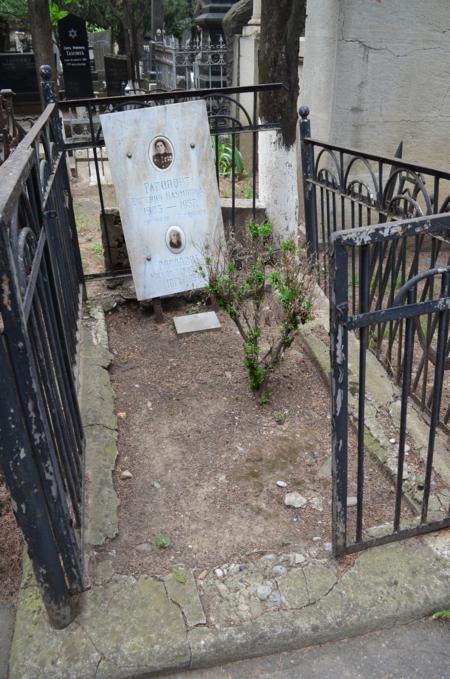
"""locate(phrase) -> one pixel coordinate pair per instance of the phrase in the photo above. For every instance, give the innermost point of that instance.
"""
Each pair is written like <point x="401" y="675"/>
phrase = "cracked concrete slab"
<point x="126" y="626"/>
<point x="100" y="424"/>
<point x="182" y="589"/>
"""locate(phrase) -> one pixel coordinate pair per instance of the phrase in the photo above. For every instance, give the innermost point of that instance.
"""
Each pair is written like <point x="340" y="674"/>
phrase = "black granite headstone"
<point x="74" y="51"/>
<point x="116" y="73"/>
<point x="17" y="73"/>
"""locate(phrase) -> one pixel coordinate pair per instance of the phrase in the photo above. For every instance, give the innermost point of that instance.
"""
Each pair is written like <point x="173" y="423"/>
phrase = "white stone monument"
<point x="163" y="172"/>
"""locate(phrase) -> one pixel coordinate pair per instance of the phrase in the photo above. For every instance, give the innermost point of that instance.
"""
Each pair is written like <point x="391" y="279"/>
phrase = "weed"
<point x="284" y="542"/>
<point x="248" y="192"/>
<point x="97" y="248"/>
<point x="163" y="542"/>
<point x="265" y="397"/>
<point x="442" y="615"/>
<point x="280" y="416"/>
<point x="181" y="576"/>
<point x="261" y="284"/>
<point x="225" y="158"/>
<point x="172" y="412"/>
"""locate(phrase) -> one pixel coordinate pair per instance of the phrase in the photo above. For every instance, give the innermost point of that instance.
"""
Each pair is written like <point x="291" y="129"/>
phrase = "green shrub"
<point x="267" y="290"/>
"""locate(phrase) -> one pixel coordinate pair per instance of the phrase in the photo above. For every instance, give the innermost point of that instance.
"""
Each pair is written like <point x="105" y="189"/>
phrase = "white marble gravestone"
<point x="163" y="171"/>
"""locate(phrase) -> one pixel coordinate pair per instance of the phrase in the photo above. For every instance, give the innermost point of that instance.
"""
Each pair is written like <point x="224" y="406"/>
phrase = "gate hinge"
<point x="342" y="311"/>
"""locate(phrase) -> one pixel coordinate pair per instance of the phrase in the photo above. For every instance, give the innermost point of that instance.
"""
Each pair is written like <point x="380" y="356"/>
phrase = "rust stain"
<point x="6" y="292"/>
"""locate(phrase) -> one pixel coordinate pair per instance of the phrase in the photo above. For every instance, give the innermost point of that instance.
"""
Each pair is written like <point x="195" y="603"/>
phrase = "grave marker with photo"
<point x="163" y="172"/>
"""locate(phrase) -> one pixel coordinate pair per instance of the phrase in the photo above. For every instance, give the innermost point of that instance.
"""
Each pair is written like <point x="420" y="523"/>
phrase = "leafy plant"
<point x="284" y="542"/>
<point x="267" y="290"/>
<point x="225" y="158"/>
<point x="97" y="248"/>
<point x="181" y="576"/>
<point x="163" y="542"/>
<point x="248" y="192"/>
<point x="442" y="615"/>
<point x="280" y="416"/>
<point x="265" y="397"/>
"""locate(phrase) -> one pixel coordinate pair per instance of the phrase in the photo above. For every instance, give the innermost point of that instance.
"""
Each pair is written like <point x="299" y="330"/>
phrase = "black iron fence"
<point x="418" y="314"/>
<point x="346" y="188"/>
<point x="234" y="125"/>
<point x="41" y="440"/>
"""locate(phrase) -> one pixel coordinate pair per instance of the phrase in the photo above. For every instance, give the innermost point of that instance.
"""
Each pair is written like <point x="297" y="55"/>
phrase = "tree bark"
<point x="41" y="35"/>
<point x="281" y="27"/>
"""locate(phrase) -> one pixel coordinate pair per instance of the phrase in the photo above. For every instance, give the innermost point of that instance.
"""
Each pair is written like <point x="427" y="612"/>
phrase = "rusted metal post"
<point x="339" y="391"/>
<point x="309" y="190"/>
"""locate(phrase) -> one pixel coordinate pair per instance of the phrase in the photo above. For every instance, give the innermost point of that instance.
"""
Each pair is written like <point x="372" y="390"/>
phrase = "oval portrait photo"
<point x="161" y="153"/>
<point x="175" y="239"/>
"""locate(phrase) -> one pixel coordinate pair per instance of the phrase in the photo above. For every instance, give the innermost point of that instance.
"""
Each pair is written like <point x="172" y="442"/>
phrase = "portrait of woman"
<point x="161" y="153"/>
<point x="175" y="239"/>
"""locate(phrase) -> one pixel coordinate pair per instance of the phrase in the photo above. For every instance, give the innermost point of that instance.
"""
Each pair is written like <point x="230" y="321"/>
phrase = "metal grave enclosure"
<point x="163" y="171"/>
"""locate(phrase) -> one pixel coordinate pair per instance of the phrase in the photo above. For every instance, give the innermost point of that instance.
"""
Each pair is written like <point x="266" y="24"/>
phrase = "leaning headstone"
<point x="164" y="177"/>
<point x="74" y="52"/>
<point x="116" y="75"/>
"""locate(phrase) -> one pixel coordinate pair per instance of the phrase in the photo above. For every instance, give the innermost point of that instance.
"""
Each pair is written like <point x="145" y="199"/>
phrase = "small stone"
<point x="317" y="539"/>
<point x="352" y="501"/>
<point x="281" y="484"/>
<point x="275" y="598"/>
<point x="202" y="575"/>
<point x="243" y="608"/>
<point x="122" y="415"/>
<point x="328" y="546"/>
<point x="228" y="375"/>
<point x="145" y="547"/>
<point x="268" y="557"/>
<point x="126" y="475"/>
<point x="279" y="570"/>
<point x="218" y="572"/>
<point x="299" y="558"/>
<point x="295" y="500"/>
<point x="156" y="484"/>
<point x="264" y="591"/>
<point x="392" y="440"/>
<point x="407" y="449"/>
<point x="223" y="590"/>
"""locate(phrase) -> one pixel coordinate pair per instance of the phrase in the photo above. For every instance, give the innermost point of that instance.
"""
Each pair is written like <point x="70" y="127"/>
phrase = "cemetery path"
<point x="203" y="457"/>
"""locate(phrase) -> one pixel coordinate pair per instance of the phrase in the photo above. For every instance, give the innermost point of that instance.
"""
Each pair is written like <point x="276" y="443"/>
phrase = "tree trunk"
<point x="281" y="27"/>
<point x="41" y="34"/>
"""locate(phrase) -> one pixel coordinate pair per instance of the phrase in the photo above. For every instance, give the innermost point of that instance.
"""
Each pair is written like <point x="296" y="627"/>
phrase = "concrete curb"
<point x="142" y="627"/>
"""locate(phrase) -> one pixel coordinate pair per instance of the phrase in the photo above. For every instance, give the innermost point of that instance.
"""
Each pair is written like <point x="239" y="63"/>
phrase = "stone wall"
<point x="376" y="73"/>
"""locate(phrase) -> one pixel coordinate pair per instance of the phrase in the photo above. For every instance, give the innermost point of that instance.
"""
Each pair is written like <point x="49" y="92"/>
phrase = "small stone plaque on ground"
<point x="163" y="170"/>
<point x="184" y="325"/>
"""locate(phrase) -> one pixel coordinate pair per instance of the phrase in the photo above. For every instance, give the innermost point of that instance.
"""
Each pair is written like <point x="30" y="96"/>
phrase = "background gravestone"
<point x="17" y="73"/>
<point x="163" y="170"/>
<point x="74" y="52"/>
<point x="116" y="74"/>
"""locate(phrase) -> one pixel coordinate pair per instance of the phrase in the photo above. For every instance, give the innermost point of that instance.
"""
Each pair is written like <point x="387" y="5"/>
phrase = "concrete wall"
<point x="377" y="72"/>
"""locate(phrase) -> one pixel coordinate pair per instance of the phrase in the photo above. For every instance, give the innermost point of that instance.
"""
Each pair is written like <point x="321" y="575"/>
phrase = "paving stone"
<point x="185" y="594"/>
<point x="184" y="325"/>
<point x="293" y="588"/>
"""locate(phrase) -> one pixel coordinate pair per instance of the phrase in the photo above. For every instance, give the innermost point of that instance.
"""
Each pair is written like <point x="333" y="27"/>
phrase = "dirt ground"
<point x="205" y="456"/>
<point x="11" y="548"/>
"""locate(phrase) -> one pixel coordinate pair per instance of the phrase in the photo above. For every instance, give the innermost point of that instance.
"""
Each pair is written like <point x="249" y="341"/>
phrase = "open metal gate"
<point x="364" y="261"/>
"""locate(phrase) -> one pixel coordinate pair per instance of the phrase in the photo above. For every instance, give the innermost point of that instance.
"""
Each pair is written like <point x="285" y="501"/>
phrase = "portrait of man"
<point x="162" y="153"/>
<point x="175" y="240"/>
